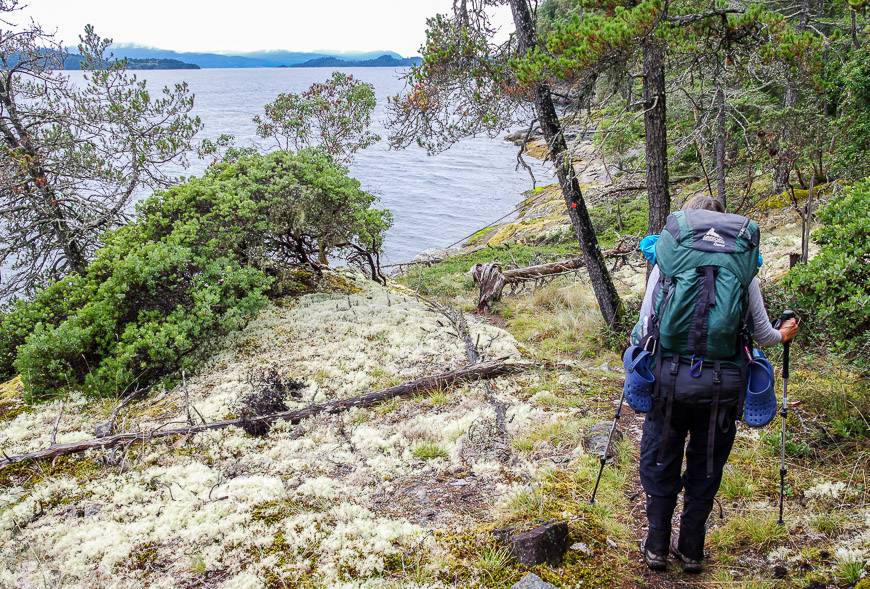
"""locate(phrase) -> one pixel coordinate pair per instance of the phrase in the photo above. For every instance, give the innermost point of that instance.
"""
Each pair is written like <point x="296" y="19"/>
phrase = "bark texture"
<point x="655" y="128"/>
<point x="719" y="147"/>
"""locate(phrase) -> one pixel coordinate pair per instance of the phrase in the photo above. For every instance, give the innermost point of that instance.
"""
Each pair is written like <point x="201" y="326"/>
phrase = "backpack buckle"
<point x="697" y="367"/>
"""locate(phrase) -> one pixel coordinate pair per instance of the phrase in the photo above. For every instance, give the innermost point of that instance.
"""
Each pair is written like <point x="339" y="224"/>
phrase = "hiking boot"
<point x="656" y="562"/>
<point x="690" y="565"/>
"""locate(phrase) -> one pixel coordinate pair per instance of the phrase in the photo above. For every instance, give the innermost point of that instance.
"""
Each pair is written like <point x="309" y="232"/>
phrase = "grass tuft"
<point x="428" y="451"/>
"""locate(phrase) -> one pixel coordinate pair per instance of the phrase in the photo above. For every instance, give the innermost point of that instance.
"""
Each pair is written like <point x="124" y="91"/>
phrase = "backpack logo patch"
<point x="713" y="238"/>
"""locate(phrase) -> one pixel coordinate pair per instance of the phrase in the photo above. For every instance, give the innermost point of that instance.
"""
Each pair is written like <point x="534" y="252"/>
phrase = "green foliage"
<point x="852" y="159"/>
<point x="198" y="262"/>
<point x="74" y="154"/>
<point x="52" y="306"/>
<point x="463" y="88"/>
<point x="334" y="115"/>
<point x="834" y="283"/>
<point x="584" y="42"/>
<point x="158" y="305"/>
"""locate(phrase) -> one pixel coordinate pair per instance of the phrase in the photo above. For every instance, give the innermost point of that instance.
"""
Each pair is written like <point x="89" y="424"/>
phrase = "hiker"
<point x="711" y="309"/>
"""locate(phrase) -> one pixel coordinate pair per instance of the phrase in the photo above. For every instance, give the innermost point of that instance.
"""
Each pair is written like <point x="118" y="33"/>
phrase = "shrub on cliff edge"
<point x="198" y="262"/>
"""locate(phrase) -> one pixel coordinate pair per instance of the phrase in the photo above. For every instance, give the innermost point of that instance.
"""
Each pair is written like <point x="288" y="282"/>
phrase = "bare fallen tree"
<point x="474" y="372"/>
<point x="492" y="279"/>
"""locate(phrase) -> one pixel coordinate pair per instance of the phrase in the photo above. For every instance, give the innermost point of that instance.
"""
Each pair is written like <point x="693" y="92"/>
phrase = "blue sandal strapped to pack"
<point x="639" y="378"/>
<point x="759" y="409"/>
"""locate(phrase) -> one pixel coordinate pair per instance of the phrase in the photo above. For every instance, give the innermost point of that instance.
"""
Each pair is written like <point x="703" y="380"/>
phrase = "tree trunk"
<point x="782" y="170"/>
<point x="16" y="137"/>
<point x="602" y="285"/>
<point x="807" y="221"/>
<point x="719" y="146"/>
<point x="655" y="127"/>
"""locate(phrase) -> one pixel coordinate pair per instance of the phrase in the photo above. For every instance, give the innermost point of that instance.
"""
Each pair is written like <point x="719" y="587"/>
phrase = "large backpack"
<point x="700" y="326"/>
<point x="706" y="262"/>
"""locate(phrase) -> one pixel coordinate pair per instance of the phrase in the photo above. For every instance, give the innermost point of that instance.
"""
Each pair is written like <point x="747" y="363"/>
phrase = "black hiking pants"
<point x="661" y="479"/>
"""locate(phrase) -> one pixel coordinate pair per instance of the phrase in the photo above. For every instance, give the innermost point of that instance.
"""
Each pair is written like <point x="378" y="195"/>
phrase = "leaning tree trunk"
<point x="655" y="127"/>
<point x="719" y="146"/>
<point x="16" y="137"/>
<point x="605" y="292"/>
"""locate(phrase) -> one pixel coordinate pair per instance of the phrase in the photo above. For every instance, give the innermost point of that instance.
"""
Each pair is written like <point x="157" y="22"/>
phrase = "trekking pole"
<point x="783" y="412"/>
<point x="603" y="458"/>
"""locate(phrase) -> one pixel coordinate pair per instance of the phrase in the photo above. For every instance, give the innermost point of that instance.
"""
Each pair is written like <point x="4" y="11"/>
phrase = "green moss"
<point x="334" y="282"/>
<point x="785" y="198"/>
<point x="197" y="565"/>
<point x="143" y="557"/>
<point x="480" y="237"/>
<point x="11" y="399"/>
<point x="273" y="512"/>
<point x="28" y="474"/>
<point x="476" y="559"/>
<point x="614" y="219"/>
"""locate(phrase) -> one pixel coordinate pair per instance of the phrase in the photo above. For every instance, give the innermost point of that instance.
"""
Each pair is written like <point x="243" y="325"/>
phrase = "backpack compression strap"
<point x="706" y="300"/>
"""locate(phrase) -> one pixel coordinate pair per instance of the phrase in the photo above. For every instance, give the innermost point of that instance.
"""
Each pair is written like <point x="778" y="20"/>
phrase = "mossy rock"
<point x="503" y="234"/>
<point x="784" y="199"/>
<point x="335" y="282"/>
<point x="11" y="399"/>
<point x="480" y="237"/>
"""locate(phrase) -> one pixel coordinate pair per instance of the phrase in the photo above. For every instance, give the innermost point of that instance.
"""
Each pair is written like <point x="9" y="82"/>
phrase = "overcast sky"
<point x="248" y="25"/>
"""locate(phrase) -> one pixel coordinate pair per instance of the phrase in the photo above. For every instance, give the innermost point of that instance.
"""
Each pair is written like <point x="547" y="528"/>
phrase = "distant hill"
<point x="73" y="62"/>
<point x="246" y="60"/>
<point x="381" y="61"/>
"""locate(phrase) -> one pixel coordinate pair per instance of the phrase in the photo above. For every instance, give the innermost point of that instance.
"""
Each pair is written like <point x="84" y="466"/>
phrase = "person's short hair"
<point x="702" y="201"/>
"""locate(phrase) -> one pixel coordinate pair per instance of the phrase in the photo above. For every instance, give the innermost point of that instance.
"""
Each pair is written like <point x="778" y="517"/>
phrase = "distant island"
<point x="73" y="61"/>
<point x="382" y="61"/>
<point x="160" y="64"/>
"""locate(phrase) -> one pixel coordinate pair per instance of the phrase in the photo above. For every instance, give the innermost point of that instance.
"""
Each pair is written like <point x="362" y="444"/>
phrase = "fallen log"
<point x="473" y="372"/>
<point x="492" y="279"/>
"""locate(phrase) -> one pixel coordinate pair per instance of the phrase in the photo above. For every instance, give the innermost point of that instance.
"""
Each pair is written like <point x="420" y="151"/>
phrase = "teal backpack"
<point x="707" y="261"/>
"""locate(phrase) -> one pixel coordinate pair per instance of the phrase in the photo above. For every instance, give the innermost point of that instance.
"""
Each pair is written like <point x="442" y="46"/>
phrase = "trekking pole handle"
<point x="786" y="347"/>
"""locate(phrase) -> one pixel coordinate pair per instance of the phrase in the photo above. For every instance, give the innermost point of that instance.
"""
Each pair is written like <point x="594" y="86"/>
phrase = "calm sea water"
<point x="435" y="200"/>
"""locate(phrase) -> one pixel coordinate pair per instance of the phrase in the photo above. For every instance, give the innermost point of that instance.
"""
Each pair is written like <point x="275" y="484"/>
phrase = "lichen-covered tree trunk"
<point x="655" y="127"/>
<point x="602" y="284"/>
<point x="719" y="146"/>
